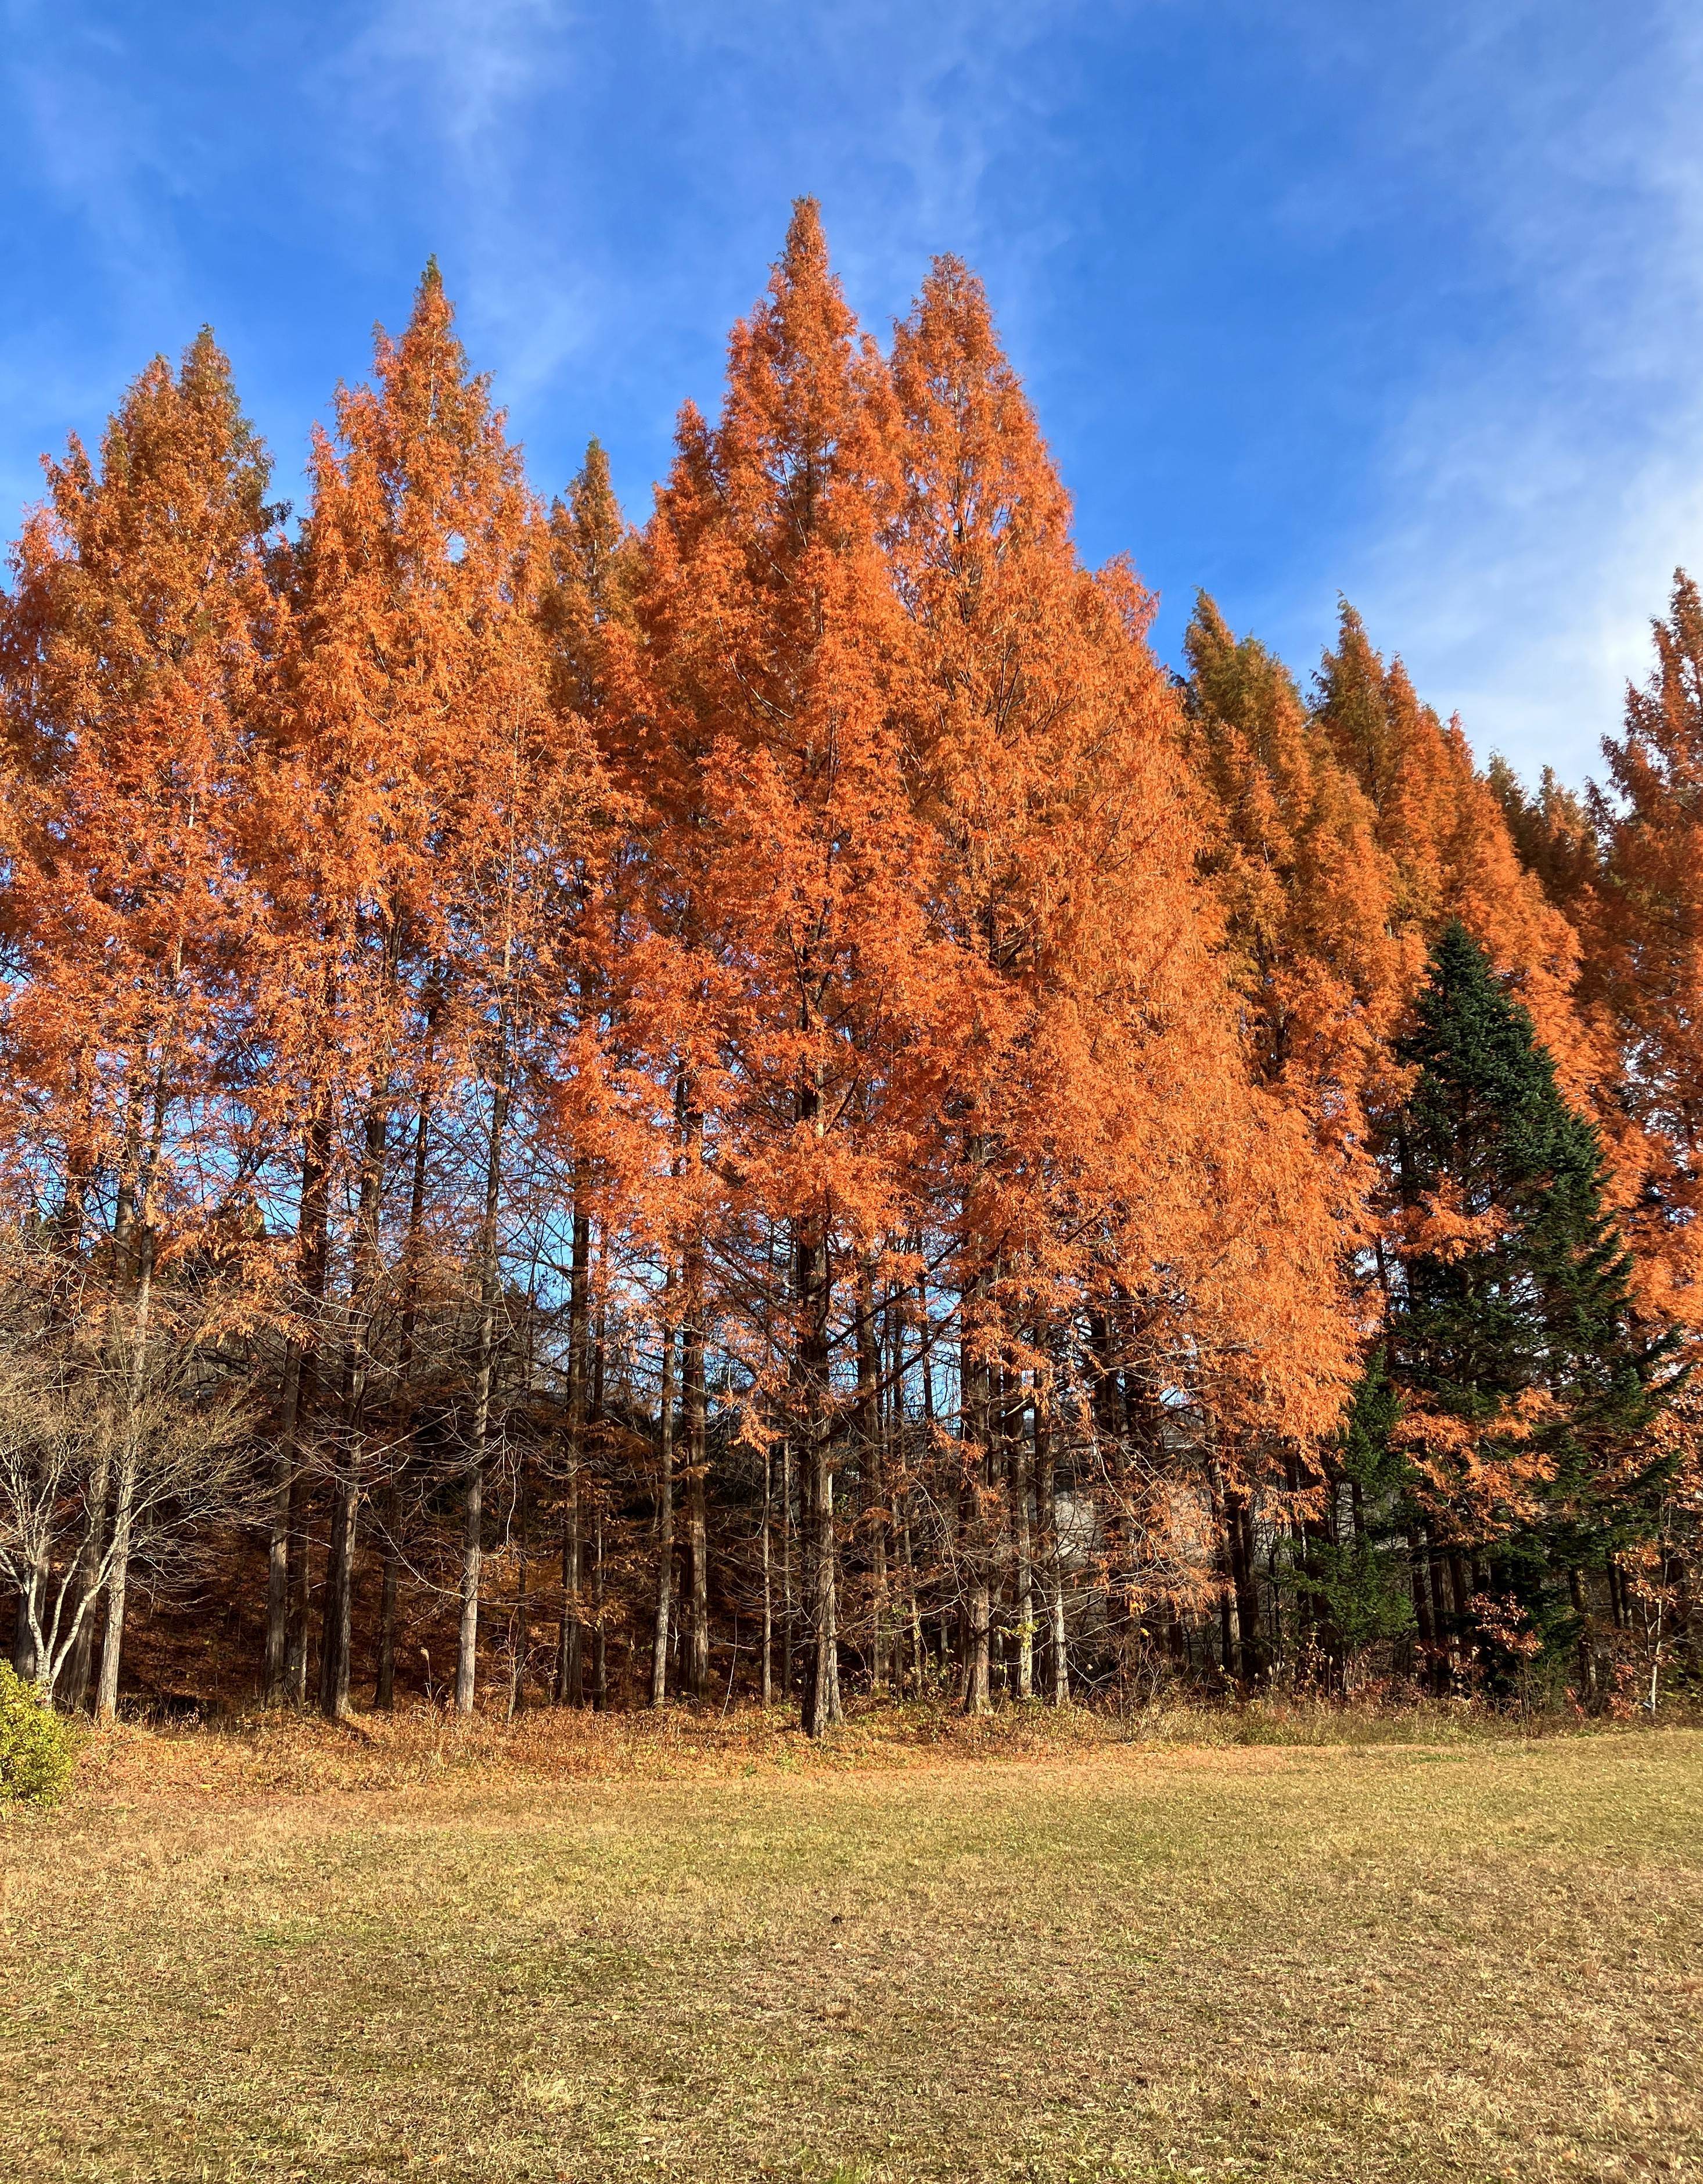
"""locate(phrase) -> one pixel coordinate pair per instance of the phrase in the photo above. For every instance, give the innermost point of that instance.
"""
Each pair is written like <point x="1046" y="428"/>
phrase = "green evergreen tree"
<point x="1529" y="1300"/>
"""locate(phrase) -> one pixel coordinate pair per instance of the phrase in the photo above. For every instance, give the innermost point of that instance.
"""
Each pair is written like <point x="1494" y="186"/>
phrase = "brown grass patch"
<point x="1476" y="1959"/>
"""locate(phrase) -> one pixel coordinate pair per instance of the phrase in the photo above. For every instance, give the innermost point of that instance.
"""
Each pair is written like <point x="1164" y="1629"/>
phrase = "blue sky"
<point x="1402" y="299"/>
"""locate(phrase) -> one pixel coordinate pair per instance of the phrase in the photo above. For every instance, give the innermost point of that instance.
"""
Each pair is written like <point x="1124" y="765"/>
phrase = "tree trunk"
<point x="26" y="1658"/>
<point x="789" y="1635"/>
<point x="336" y="1636"/>
<point x="384" y="1693"/>
<point x="1588" y="1691"/>
<point x="118" y="1575"/>
<point x="871" y="1440"/>
<point x="1416" y="1560"/>
<point x="1443" y="1664"/>
<point x="1025" y="1564"/>
<point x="600" y="1630"/>
<point x="522" y="1637"/>
<point x="278" y="1536"/>
<point x="472" y="1542"/>
<point x="665" y="1517"/>
<point x="822" y="1706"/>
<point x="813" y="1287"/>
<point x="336" y="1630"/>
<point x="694" y="1410"/>
<point x="978" y="1624"/>
<point x="768" y="1577"/>
<point x="285" y="1663"/>
<point x="1250" y="1652"/>
<point x="976" y="1431"/>
<point x="570" y="1643"/>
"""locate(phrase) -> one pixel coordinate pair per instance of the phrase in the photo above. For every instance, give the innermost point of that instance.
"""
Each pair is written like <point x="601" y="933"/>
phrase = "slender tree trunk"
<point x="789" y="1613"/>
<point x="286" y="1656"/>
<point x="1026" y="1587"/>
<point x="390" y="1585"/>
<point x="665" y="1517"/>
<point x="1443" y="1673"/>
<point x="118" y="1576"/>
<point x="919" y="1651"/>
<point x="384" y="1692"/>
<point x="978" y="1616"/>
<point x="1587" y="1650"/>
<point x="278" y="1532"/>
<point x="813" y="1286"/>
<point x="1458" y="1589"/>
<point x="694" y="1409"/>
<point x="26" y="1662"/>
<point x="68" y="1225"/>
<point x="600" y="1641"/>
<point x="337" y="1630"/>
<point x="336" y="1636"/>
<point x="570" y="1645"/>
<point x="1421" y="1594"/>
<point x="599" y="1626"/>
<point x="523" y="1633"/>
<point x="473" y="1527"/>
<point x="768" y="1579"/>
<point x="822" y="1709"/>
<point x="870" y="1437"/>
<point x="1238" y="1547"/>
<point x="976" y="1432"/>
<point x="76" y="1673"/>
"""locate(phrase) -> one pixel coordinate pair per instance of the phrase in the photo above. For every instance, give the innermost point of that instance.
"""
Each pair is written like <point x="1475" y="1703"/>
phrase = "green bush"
<point x="37" y="1751"/>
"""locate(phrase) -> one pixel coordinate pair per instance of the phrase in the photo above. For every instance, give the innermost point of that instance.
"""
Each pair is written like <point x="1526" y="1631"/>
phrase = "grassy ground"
<point x="718" y="1961"/>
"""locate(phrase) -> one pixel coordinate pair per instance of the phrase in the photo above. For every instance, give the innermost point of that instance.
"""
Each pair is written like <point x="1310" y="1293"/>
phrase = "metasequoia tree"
<point x="423" y="803"/>
<point x="134" y="641"/>
<point x="597" y="1130"/>
<point x="1556" y="837"/>
<point x="1102" y="1104"/>
<point x="1321" y="957"/>
<point x="1645" y="932"/>
<point x="1441" y="825"/>
<point x="817" y="1000"/>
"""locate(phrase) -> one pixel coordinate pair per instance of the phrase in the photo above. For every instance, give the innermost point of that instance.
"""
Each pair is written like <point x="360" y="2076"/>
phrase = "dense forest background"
<point x="768" y="1107"/>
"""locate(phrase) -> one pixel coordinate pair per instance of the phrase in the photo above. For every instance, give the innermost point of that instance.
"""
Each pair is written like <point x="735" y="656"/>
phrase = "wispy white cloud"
<point x="1534" y="497"/>
<point x="462" y="92"/>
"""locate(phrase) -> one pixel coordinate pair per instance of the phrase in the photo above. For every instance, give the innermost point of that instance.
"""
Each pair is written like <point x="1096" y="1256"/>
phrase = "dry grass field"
<point x="262" y="1959"/>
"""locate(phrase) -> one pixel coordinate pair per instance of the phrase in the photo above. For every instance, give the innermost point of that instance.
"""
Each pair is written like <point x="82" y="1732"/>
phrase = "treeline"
<point x="767" y="1104"/>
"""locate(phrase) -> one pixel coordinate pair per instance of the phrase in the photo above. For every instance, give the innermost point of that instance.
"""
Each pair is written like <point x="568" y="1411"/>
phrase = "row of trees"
<point x="769" y="1100"/>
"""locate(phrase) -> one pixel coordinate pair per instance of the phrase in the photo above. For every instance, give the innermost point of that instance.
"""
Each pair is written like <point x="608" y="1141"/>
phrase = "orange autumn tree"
<point x="1322" y="961"/>
<point x="1646" y="934"/>
<point x="1642" y="924"/>
<point x="424" y="804"/>
<point x="1439" y="823"/>
<point x="591" y="1129"/>
<point x="1111" y="1170"/>
<point x="817" y="999"/>
<point x="133" y="645"/>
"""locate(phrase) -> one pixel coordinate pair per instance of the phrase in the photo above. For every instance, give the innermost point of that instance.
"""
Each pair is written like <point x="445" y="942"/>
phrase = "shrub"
<point x="37" y="1751"/>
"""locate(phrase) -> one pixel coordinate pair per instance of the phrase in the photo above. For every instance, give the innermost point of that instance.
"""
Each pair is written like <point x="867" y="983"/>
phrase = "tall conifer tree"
<point x="134" y="645"/>
<point x="1529" y="1389"/>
